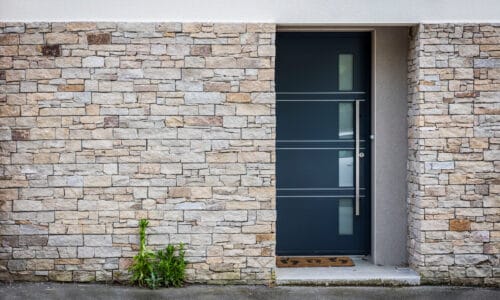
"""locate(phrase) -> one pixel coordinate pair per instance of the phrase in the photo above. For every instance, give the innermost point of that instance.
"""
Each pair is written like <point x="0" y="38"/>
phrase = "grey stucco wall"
<point x="389" y="148"/>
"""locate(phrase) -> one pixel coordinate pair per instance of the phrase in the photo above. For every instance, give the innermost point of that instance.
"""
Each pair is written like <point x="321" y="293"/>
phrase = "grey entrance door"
<point x="323" y="143"/>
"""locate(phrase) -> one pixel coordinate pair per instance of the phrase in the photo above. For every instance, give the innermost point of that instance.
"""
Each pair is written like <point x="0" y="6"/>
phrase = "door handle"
<point x="357" y="158"/>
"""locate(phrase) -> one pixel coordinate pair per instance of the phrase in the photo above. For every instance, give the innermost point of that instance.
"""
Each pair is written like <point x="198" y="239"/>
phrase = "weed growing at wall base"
<point x="164" y="268"/>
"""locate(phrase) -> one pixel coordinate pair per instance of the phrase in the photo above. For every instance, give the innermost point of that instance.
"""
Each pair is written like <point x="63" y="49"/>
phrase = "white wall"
<point x="275" y="11"/>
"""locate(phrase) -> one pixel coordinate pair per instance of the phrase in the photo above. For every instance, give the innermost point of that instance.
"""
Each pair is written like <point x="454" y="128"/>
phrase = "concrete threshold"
<point x="363" y="273"/>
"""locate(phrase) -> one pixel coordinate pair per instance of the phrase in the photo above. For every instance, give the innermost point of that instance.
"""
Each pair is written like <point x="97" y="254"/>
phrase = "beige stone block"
<point x="460" y="109"/>
<point x="252" y="109"/>
<point x="43" y="73"/>
<point x="468" y="50"/>
<point x="464" y="73"/>
<point x="492" y="248"/>
<point x="191" y="27"/>
<point x="68" y="62"/>
<point x="242" y="205"/>
<point x="46" y="158"/>
<point x="238" y="97"/>
<point x="266" y="74"/>
<point x="179" y="192"/>
<point x="222" y="50"/>
<point x="61" y="38"/>
<point x="178" y="50"/>
<point x="174" y="121"/>
<point x="42" y="134"/>
<point x="434" y="225"/>
<point x="15" y="75"/>
<point x="93" y="62"/>
<point x="254" y="63"/>
<point x="264" y="228"/>
<point x="217" y="87"/>
<point x="474" y="166"/>
<point x="254" y="157"/>
<point x="201" y="192"/>
<point x="255" y="86"/>
<point x="492" y="155"/>
<point x="32" y="50"/>
<point x="5" y="63"/>
<point x="262" y="193"/>
<point x="266" y="50"/>
<point x="479" y="143"/>
<point x="9" y="39"/>
<point x="229" y="28"/>
<point x="71" y="88"/>
<point x="261" y="27"/>
<point x="201" y="50"/>
<point x="8" y="50"/>
<point x="63" y="276"/>
<point x="97" y="181"/>
<point x="35" y="38"/>
<point x="80" y="26"/>
<point x="457" y="178"/>
<point x="494" y="73"/>
<point x="194" y="61"/>
<point x="221" y="62"/>
<point x="202" y="121"/>
<point x="222" y="157"/>
<point x="450" y="132"/>
<point x="84" y="276"/>
<point x="9" y="111"/>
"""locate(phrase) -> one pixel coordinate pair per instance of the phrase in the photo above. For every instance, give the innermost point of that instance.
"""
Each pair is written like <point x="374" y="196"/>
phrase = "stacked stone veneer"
<point x="454" y="153"/>
<point x="102" y="124"/>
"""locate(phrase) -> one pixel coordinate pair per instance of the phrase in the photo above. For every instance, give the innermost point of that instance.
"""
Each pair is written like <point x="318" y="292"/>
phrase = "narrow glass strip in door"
<point x="346" y="168"/>
<point x="345" y="217"/>
<point x="346" y="123"/>
<point x="346" y="62"/>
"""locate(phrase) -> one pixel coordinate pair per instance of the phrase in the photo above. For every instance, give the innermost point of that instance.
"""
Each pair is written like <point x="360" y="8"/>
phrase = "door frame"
<point x="372" y="31"/>
<point x="389" y="243"/>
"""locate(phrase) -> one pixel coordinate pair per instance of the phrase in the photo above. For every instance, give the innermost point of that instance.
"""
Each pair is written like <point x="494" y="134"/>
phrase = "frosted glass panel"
<point x="346" y="172"/>
<point x="345" y="216"/>
<point x="346" y="120"/>
<point x="345" y="72"/>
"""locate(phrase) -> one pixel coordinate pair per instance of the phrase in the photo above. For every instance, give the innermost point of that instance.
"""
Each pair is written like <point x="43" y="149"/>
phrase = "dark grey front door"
<point x="323" y="143"/>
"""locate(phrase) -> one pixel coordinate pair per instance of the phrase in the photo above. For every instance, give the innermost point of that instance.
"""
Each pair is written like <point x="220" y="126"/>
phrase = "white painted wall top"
<point x="349" y="12"/>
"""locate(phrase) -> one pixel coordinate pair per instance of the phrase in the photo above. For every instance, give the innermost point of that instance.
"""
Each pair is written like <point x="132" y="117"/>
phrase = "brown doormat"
<point x="313" y="261"/>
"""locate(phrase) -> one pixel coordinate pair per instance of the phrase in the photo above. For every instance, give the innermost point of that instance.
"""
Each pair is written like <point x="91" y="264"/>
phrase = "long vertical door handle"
<point x="357" y="158"/>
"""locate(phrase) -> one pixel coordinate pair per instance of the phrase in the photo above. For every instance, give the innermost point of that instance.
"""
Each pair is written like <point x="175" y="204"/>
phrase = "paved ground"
<point x="70" y="291"/>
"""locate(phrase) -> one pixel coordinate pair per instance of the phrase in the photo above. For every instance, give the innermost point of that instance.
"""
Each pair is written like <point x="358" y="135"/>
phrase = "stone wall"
<point x="454" y="153"/>
<point x="102" y="124"/>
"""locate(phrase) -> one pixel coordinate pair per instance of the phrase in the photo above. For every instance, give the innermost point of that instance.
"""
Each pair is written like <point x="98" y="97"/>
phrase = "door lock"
<point x="361" y="155"/>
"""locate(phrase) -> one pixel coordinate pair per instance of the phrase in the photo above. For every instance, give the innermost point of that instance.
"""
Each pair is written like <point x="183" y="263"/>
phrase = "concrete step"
<point x="363" y="273"/>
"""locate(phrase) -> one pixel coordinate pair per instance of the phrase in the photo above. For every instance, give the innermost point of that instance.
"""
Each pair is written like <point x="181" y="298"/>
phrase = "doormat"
<point x="313" y="261"/>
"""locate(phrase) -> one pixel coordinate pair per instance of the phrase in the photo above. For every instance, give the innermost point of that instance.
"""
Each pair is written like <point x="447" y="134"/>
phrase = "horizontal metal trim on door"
<point x="316" y="141"/>
<point x="320" y="93"/>
<point x="312" y="148"/>
<point x="319" y="196"/>
<point x="317" y="100"/>
<point x="317" y="189"/>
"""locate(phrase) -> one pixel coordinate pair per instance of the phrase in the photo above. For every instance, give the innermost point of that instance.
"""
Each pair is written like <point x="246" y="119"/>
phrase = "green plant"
<point x="142" y="266"/>
<point x="171" y="267"/>
<point x="163" y="268"/>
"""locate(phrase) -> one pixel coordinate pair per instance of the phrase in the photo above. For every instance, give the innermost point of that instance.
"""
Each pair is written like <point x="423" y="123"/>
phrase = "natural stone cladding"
<point x="102" y="124"/>
<point x="454" y="153"/>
